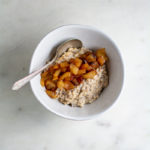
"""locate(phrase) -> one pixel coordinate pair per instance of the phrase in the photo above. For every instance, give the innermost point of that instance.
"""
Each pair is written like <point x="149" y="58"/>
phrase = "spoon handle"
<point x="20" y="83"/>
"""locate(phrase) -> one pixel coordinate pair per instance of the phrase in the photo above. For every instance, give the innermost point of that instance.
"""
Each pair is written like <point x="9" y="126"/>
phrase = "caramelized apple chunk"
<point x="101" y="52"/>
<point x="89" y="75"/>
<point x="85" y="66"/>
<point x="74" y="69"/>
<point x="65" y="75"/>
<point x="101" y="60"/>
<point x="50" y="85"/>
<point x="68" y="85"/>
<point x="94" y="65"/>
<point x="42" y="81"/>
<point x="64" y="69"/>
<point x="52" y="94"/>
<point x="64" y="64"/>
<point x="81" y="71"/>
<point x="90" y="58"/>
<point x="56" y="74"/>
<point x="44" y="74"/>
<point x="56" y="66"/>
<point x="51" y="70"/>
<point x="60" y="84"/>
<point x="77" y="62"/>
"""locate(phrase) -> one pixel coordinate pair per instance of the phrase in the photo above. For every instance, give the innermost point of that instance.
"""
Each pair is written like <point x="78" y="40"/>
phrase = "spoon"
<point x="59" y="51"/>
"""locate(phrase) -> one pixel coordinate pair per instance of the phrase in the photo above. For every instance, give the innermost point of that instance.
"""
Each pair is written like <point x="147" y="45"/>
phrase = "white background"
<point x="25" y="124"/>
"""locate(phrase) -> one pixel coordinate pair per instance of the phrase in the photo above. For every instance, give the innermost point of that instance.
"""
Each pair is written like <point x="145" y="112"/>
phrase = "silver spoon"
<point x="60" y="50"/>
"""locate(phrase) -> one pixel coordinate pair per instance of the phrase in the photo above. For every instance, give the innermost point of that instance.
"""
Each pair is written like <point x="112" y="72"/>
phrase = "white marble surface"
<point x="25" y="124"/>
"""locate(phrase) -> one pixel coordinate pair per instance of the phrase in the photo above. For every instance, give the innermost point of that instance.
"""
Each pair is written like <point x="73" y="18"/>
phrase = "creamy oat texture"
<point x="89" y="90"/>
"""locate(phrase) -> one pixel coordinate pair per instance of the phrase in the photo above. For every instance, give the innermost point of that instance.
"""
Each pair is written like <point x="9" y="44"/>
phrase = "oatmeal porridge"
<point x="77" y="77"/>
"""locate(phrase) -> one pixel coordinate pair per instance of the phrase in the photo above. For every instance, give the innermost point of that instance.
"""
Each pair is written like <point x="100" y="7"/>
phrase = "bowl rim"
<point x="122" y="64"/>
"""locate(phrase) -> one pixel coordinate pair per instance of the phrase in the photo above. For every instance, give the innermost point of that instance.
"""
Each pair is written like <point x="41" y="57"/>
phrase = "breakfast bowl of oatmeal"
<point x="84" y="81"/>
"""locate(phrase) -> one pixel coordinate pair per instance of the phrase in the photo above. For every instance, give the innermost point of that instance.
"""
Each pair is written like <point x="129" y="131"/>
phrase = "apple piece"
<point x="90" y="58"/>
<point x="56" y="74"/>
<point x="77" y="62"/>
<point x="60" y="84"/>
<point x="56" y="66"/>
<point x="52" y="94"/>
<point x="44" y="74"/>
<point x="81" y="71"/>
<point x="65" y="75"/>
<point x="89" y="75"/>
<point x="64" y="64"/>
<point x="100" y="52"/>
<point x="64" y="69"/>
<point x="68" y="85"/>
<point x="74" y="69"/>
<point x="85" y="66"/>
<point x="42" y="81"/>
<point x="101" y="60"/>
<point x="94" y="65"/>
<point x="51" y="70"/>
<point x="50" y="85"/>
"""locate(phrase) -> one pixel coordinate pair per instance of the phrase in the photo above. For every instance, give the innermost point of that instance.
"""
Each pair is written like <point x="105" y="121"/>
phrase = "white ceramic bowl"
<point x="92" y="38"/>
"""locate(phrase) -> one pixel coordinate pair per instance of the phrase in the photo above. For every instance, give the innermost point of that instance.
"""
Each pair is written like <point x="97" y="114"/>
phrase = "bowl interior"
<point x="92" y="39"/>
